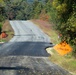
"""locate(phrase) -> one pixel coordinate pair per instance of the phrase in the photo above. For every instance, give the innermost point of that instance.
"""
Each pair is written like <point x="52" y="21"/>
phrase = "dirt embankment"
<point x="8" y="30"/>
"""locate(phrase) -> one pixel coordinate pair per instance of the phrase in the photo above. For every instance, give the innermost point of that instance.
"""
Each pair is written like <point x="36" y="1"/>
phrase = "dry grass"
<point x="67" y="61"/>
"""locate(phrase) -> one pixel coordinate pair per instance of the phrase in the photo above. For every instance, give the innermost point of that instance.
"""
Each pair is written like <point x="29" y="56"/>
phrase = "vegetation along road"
<point x="25" y="53"/>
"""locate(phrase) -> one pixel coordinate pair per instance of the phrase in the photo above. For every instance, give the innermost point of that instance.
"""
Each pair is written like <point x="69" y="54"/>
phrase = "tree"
<point x="37" y="10"/>
<point x="66" y="16"/>
<point x="2" y="4"/>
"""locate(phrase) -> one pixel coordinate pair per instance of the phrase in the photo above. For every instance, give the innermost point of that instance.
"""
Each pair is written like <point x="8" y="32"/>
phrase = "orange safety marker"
<point x="63" y="48"/>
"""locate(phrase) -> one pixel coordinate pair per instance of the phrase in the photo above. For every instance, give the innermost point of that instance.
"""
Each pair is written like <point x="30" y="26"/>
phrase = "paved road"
<point x="27" y="31"/>
<point x="25" y="53"/>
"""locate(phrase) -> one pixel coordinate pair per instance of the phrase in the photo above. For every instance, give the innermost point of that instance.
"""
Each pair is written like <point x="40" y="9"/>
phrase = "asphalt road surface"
<point x="25" y="53"/>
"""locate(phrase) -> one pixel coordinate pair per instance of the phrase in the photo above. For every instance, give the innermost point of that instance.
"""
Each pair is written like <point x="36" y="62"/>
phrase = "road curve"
<point x="25" y="53"/>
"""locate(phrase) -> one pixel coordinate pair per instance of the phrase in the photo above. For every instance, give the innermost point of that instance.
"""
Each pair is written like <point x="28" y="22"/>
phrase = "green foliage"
<point x="2" y="18"/>
<point x="37" y="10"/>
<point x="2" y="4"/>
<point x="0" y="27"/>
<point x="17" y="9"/>
<point x="48" y="6"/>
<point x="21" y="9"/>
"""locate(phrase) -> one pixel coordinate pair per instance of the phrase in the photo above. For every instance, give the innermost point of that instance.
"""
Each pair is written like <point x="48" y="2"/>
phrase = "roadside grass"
<point x="67" y="61"/>
<point x="2" y="40"/>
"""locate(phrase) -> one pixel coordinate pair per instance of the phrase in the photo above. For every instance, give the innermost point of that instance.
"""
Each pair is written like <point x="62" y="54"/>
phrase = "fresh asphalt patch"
<point x="25" y="49"/>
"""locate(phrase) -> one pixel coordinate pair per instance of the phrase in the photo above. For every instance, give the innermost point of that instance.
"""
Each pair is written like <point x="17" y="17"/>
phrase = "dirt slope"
<point x="8" y="30"/>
